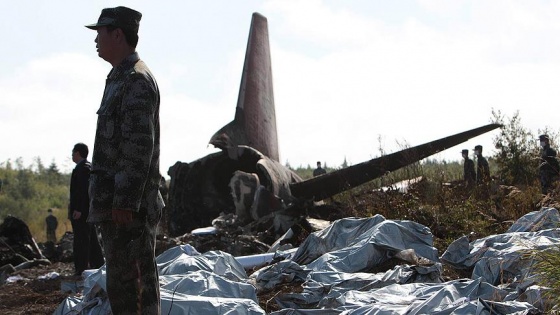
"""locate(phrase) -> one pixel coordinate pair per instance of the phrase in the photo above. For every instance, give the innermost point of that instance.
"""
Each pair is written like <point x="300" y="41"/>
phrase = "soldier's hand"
<point x="121" y="216"/>
<point x="76" y="215"/>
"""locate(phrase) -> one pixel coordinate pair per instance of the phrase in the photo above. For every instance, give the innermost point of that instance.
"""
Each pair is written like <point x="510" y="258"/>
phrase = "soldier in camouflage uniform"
<point x="125" y="200"/>
<point x="482" y="166"/>
<point x="549" y="168"/>
<point x="469" y="174"/>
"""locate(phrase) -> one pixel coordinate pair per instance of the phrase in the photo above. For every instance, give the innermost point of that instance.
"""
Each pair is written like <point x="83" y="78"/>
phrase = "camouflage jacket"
<point x="469" y="174"/>
<point x="549" y="163"/>
<point x="482" y="170"/>
<point x="125" y="163"/>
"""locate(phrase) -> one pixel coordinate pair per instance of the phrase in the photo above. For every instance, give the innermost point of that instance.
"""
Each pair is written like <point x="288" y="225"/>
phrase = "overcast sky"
<point x="349" y="76"/>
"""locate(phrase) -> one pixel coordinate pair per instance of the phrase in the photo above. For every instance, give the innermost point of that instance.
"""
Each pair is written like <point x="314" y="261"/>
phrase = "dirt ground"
<point x="32" y="295"/>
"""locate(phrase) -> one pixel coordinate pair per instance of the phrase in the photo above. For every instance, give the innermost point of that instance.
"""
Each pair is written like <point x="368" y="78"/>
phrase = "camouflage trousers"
<point x="132" y="278"/>
<point x="547" y="181"/>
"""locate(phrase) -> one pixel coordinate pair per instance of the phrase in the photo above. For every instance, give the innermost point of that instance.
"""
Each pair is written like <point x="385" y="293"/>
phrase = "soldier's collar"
<point x="127" y="63"/>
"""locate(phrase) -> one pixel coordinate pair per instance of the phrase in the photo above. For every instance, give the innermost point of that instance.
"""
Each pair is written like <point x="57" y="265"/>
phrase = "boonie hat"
<point x="121" y="17"/>
<point x="478" y="147"/>
<point x="543" y="137"/>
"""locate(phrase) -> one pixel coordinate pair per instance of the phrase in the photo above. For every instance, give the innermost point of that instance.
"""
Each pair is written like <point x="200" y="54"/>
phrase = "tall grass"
<point x="548" y="275"/>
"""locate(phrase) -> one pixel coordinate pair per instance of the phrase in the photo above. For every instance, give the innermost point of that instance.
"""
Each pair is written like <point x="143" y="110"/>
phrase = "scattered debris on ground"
<point x="38" y="278"/>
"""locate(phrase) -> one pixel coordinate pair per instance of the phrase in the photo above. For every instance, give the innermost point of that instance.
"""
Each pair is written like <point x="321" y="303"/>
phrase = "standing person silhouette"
<point x="469" y="174"/>
<point x="52" y="223"/>
<point x="482" y="167"/>
<point x="86" y="248"/>
<point x="319" y="170"/>
<point x="126" y="203"/>
<point x="549" y="166"/>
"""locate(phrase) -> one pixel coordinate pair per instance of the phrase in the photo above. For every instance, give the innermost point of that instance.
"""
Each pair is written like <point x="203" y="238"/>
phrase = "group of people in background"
<point x="482" y="172"/>
<point x="549" y="168"/>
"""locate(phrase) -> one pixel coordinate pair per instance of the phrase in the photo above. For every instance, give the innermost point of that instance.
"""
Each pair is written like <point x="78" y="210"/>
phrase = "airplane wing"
<point x="338" y="181"/>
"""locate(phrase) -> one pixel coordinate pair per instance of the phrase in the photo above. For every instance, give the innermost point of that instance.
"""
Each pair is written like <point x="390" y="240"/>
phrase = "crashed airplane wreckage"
<point x="246" y="177"/>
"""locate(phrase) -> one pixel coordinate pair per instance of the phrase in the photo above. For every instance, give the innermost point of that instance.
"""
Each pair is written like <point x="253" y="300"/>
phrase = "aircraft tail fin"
<point x="255" y="116"/>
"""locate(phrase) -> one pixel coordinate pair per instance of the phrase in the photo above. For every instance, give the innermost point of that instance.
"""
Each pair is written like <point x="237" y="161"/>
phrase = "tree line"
<point x="27" y="192"/>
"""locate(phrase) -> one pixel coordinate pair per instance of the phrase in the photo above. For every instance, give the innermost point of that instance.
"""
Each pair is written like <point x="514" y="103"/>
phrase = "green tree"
<point x="39" y="165"/>
<point x="517" y="151"/>
<point x="53" y="174"/>
<point x="27" y="194"/>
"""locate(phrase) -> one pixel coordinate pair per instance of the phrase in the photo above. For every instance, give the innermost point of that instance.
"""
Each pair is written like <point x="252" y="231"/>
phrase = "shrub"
<point x="517" y="151"/>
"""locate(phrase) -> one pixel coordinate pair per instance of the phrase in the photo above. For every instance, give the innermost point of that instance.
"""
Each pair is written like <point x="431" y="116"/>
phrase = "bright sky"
<point x="347" y="74"/>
